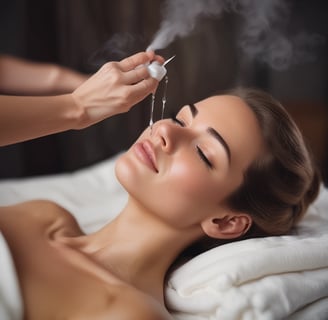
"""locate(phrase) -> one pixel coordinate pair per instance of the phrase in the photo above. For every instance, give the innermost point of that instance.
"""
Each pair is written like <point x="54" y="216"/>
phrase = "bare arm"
<point x="115" y="88"/>
<point x="24" y="118"/>
<point x="20" y="76"/>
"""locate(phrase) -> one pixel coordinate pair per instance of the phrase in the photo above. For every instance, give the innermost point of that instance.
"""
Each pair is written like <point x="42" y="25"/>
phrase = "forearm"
<point x="24" y="118"/>
<point x="19" y="76"/>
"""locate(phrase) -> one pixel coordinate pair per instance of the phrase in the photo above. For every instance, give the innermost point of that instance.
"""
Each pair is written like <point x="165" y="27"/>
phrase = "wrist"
<point x="76" y="112"/>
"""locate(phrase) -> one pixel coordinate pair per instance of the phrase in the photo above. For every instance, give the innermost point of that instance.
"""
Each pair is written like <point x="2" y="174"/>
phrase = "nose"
<point x="167" y="135"/>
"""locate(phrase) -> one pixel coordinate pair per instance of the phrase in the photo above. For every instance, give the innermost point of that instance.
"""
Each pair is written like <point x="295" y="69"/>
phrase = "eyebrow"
<point x="218" y="137"/>
<point x="193" y="109"/>
<point x="212" y="132"/>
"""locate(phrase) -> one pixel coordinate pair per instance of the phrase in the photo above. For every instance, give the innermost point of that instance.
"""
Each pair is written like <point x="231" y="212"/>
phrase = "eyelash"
<point x="176" y="120"/>
<point x="198" y="149"/>
<point x="203" y="157"/>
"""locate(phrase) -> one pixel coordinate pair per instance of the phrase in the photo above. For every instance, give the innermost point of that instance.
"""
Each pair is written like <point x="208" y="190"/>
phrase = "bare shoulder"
<point x="41" y="209"/>
<point x="35" y="212"/>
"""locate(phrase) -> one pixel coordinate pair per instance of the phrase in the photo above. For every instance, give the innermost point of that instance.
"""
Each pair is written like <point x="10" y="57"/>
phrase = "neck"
<point x="138" y="247"/>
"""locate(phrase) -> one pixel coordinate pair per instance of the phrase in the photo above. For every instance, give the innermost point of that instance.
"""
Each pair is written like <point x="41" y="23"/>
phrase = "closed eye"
<point x="177" y="121"/>
<point x="200" y="153"/>
<point x="203" y="157"/>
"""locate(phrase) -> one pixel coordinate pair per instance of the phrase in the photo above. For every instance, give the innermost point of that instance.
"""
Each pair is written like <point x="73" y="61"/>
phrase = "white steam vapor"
<point x="262" y="32"/>
<point x="180" y="17"/>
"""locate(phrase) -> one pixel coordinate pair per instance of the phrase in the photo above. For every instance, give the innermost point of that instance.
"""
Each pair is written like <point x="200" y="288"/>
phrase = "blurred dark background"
<point x="73" y="33"/>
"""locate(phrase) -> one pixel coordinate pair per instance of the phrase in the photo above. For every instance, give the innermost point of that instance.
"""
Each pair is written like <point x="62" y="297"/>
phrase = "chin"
<point x="120" y="169"/>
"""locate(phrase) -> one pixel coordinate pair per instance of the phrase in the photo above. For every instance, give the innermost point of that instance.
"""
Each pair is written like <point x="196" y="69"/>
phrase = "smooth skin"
<point x="115" y="88"/>
<point x="25" y="77"/>
<point x="175" y="198"/>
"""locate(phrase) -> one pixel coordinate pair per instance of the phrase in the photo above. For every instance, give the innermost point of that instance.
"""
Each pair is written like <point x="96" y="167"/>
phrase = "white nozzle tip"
<point x="156" y="71"/>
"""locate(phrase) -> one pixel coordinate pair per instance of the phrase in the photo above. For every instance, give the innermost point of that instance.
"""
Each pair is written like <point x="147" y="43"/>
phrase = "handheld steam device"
<point x="158" y="72"/>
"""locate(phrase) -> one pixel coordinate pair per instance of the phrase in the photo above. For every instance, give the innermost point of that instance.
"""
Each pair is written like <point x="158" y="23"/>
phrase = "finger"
<point x="141" y="72"/>
<point x="136" y="60"/>
<point x="136" y="75"/>
<point x="159" y="58"/>
<point x="145" y="87"/>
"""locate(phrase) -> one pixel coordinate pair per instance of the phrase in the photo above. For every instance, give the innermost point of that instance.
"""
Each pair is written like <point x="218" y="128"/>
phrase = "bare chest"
<point x="59" y="282"/>
<point x="57" y="279"/>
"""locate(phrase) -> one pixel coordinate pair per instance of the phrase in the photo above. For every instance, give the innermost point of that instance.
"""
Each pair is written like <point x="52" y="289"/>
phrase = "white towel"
<point x="269" y="278"/>
<point x="11" y="306"/>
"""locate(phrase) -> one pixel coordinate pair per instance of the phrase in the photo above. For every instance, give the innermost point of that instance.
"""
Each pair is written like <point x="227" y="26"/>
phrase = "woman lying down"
<point x="228" y="167"/>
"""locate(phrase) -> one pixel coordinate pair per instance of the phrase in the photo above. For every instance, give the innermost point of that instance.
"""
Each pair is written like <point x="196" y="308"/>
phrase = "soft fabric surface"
<point x="269" y="278"/>
<point x="92" y="195"/>
<point x="272" y="278"/>
<point x="11" y="306"/>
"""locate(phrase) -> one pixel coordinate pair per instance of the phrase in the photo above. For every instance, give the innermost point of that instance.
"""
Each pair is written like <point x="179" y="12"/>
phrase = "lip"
<point x="145" y="152"/>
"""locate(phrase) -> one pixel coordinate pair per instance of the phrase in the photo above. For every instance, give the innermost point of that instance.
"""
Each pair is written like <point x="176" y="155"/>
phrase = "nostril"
<point x="163" y="141"/>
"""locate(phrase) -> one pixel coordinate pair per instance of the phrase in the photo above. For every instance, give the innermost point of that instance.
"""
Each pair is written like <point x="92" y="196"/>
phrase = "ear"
<point x="230" y="226"/>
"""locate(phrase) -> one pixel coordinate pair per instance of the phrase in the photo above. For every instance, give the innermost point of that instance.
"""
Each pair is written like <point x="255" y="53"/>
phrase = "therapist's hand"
<point x="115" y="88"/>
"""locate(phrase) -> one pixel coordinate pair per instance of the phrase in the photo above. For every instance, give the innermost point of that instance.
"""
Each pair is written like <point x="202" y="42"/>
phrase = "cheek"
<point x="188" y="193"/>
<point x="189" y="178"/>
<point x="182" y="194"/>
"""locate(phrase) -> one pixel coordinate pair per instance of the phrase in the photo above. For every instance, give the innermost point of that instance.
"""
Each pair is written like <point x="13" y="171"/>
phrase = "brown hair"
<point x="279" y="186"/>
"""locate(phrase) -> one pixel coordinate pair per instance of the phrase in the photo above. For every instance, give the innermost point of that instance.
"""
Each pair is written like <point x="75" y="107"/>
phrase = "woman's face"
<point x="183" y="169"/>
